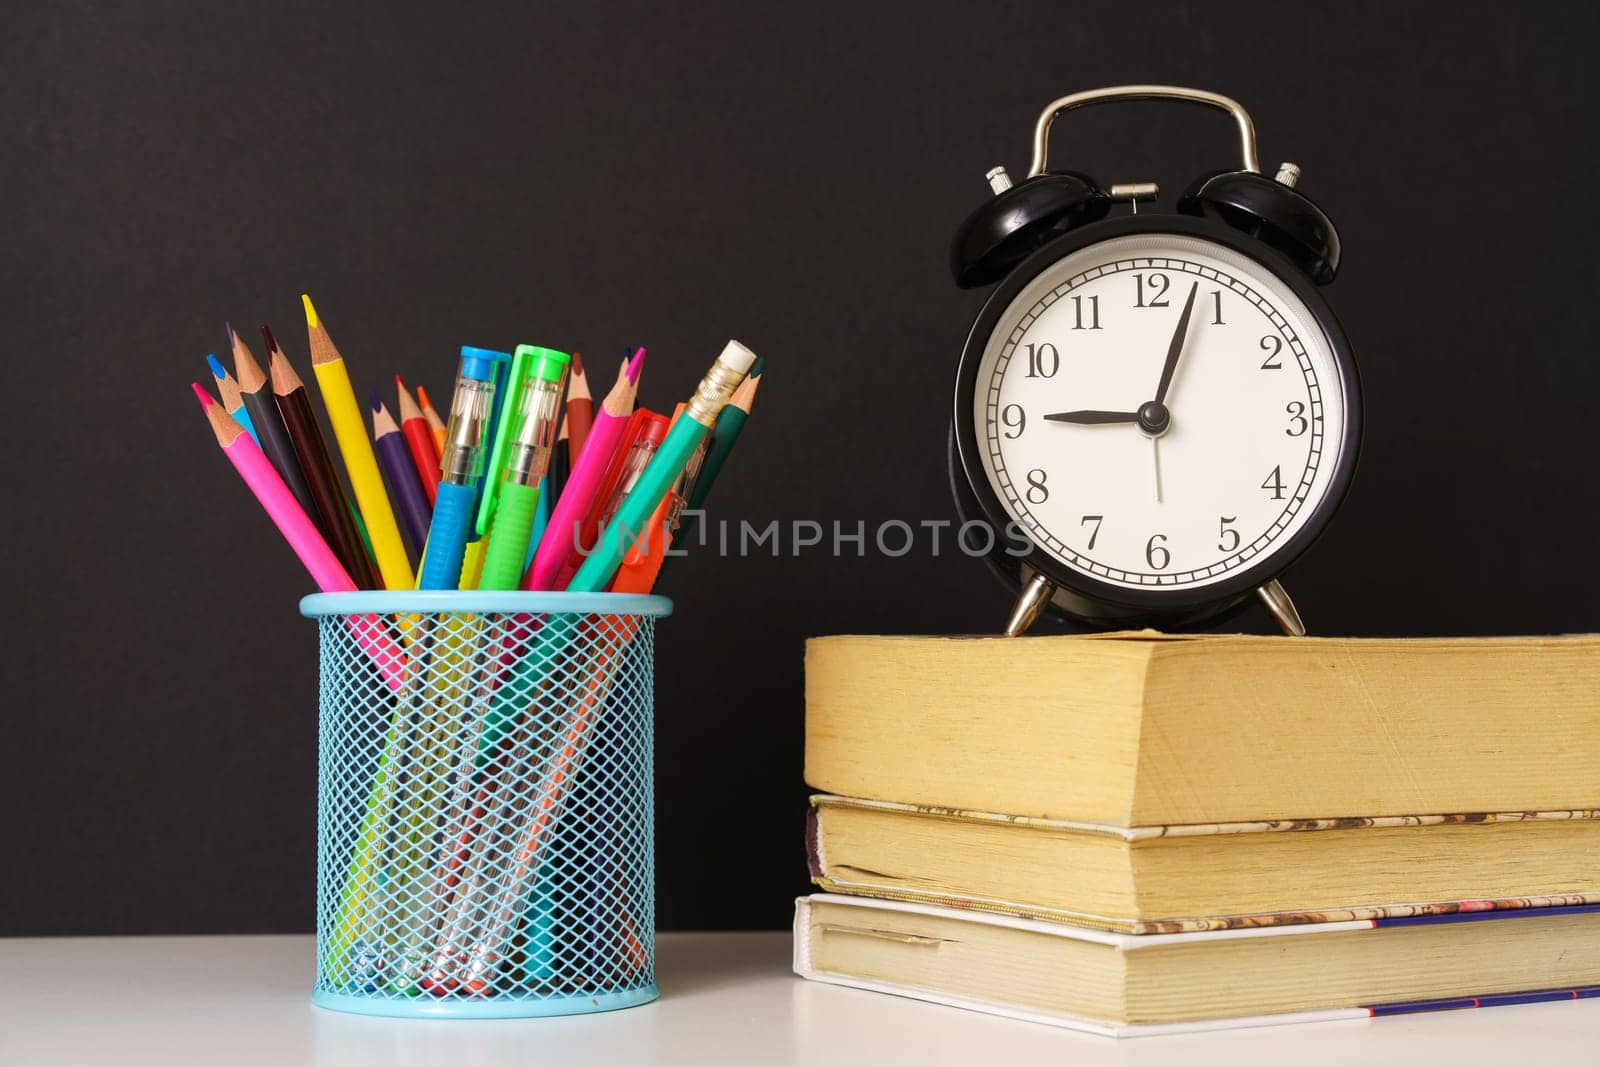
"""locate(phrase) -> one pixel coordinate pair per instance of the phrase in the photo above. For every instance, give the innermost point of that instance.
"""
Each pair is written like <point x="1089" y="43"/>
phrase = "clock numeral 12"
<point x="1159" y="284"/>
<point x="1094" y="313"/>
<point x="1043" y="360"/>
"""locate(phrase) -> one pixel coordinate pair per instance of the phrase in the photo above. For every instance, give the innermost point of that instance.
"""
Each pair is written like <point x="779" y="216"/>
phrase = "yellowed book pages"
<point x="1217" y="876"/>
<point x="1144" y="730"/>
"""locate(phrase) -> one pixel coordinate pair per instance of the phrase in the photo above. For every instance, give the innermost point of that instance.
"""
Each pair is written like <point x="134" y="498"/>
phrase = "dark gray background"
<point x="594" y="176"/>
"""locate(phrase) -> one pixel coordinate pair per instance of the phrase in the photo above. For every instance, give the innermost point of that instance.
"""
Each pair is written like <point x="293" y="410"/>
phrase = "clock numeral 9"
<point x="1155" y="554"/>
<point x="1094" y="313"/>
<point x="1274" y="482"/>
<point x="1157" y="285"/>
<point x="1014" y="418"/>
<point x="1094" y="534"/>
<point x="1271" y="345"/>
<point x="1297" y="419"/>
<point x="1043" y="360"/>
<point x="1037" y="492"/>
<point x="1230" y="538"/>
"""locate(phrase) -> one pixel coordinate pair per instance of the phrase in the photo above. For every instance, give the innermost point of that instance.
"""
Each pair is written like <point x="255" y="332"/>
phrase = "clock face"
<point x="1158" y="411"/>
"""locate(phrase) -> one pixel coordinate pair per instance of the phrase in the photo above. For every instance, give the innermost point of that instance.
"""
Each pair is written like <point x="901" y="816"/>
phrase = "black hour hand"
<point x="1094" y="418"/>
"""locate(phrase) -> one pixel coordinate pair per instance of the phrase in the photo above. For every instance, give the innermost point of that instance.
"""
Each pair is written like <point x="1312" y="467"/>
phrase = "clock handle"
<point x="1241" y="118"/>
<point x="1281" y="608"/>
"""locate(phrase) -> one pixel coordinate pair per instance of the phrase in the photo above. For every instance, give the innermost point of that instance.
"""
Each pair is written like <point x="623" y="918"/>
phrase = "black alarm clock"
<point x="1155" y="413"/>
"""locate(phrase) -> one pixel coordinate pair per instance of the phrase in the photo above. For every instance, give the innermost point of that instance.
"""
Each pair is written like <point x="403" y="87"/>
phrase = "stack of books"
<point x="1137" y="833"/>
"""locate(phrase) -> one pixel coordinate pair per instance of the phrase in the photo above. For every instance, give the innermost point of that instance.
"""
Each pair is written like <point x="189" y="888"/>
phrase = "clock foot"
<point x="1035" y="595"/>
<point x="1281" y="608"/>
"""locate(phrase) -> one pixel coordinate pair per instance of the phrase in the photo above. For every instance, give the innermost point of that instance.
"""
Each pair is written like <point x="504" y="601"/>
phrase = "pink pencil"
<point x="610" y="420"/>
<point x="286" y="513"/>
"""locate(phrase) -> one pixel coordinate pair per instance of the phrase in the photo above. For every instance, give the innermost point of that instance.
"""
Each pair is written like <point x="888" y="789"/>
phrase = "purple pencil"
<point x="400" y="471"/>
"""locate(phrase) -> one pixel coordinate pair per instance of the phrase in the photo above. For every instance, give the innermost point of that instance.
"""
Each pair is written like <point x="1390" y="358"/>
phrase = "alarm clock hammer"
<point x="1253" y="461"/>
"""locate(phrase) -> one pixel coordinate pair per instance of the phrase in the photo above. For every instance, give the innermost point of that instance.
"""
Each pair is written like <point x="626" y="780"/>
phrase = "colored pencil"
<point x="360" y="463"/>
<point x="232" y="402"/>
<point x="272" y="435"/>
<point x="587" y="474"/>
<point x="723" y="437"/>
<point x="314" y="553"/>
<point x="560" y="462"/>
<point x="710" y="397"/>
<point x="435" y="423"/>
<point x="311" y="452"/>
<point x="419" y="440"/>
<point x="405" y="487"/>
<point x="580" y="409"/>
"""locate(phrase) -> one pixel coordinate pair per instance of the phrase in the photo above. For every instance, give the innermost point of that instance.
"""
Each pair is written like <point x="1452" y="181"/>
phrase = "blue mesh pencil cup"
<point x="485" y="802"/>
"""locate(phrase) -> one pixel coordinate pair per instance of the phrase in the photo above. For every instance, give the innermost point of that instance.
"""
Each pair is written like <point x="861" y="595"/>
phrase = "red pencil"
<point x="419" y="439"/>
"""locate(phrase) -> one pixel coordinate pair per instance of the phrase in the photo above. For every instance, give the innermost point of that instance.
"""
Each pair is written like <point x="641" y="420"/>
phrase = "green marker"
<point x="504" y="430"/>
<point x="525" y="455"/>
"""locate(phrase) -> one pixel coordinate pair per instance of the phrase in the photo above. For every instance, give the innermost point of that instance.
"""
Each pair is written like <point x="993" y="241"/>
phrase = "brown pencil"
<point x="312" y="452"/>
<point x="274" y="439"/>
<point x="580" y="409"/>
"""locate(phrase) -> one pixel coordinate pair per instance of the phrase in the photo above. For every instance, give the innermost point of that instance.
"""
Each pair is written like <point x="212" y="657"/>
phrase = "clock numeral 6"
<point x="1297" y="418"/>
<point x="1155" y="289"/>
<point x="1037" y="492"/>
<point x="1094" y="534"/>
<point x="1014" y="418"/>
<point x="1274" y="482"/>
<point x="1155" y="554"/>
<point x="1043" y="360"/>
<point x="1230" y="538"/>
<point x="1271" y="345"/>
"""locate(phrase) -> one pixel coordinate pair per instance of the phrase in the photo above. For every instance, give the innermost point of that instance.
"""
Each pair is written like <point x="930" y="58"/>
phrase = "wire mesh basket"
<point x="485" y="803"/>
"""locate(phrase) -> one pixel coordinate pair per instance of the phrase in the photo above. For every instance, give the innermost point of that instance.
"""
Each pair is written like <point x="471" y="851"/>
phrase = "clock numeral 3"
<point x="1271" y="345"/>
<point x="1094" y="313"/>
<point x="1037" y="492"/>
<point x="1043" y="360"/>
<point x="1157" y="291"/>
<point x="1014" y="418"/>
<point x="1274" y="482"/>
<point x="1155" y="554"/>
<point x="1094" y="534"/>
<point x="1230" y="538"/>
<point x="1297" y="419"/>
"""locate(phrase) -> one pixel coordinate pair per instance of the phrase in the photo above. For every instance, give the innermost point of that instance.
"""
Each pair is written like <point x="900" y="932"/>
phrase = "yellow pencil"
<point x="344" y="414"/>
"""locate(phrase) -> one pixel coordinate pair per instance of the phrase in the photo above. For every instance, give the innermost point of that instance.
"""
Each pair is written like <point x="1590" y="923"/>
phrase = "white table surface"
<point x="726" y="999"/>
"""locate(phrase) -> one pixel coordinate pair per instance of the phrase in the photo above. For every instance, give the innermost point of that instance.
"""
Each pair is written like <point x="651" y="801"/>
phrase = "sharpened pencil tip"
<point x="422" y="396"/>
<point x="218" y="371"/>
<point x="272" y="342"/>
<point x="759" y="366"/>
<point x="399" y="383"/>
<point x="635" y="366"/>
<point x="200" y="391"/>
<point x="577" y="363"/>
<point x="311" y="311"/>
<point x="374" y="400"/>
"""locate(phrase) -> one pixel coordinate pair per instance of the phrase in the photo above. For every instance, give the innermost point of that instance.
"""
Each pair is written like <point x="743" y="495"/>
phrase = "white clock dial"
<point x="1254" y="412"/>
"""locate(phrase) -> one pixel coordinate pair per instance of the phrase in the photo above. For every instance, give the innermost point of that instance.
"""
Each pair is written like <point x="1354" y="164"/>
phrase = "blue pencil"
<point x="232" y="399"/>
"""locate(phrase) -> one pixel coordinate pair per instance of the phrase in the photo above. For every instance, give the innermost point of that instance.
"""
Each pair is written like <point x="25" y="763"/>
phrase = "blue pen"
<point x="466" y="441"/>
<point x="232" y="399"/>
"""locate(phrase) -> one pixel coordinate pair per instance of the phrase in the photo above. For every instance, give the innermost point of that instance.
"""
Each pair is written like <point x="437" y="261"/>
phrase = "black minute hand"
<point x="1094" y="418"/>
<point x="1175" y="349"/>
